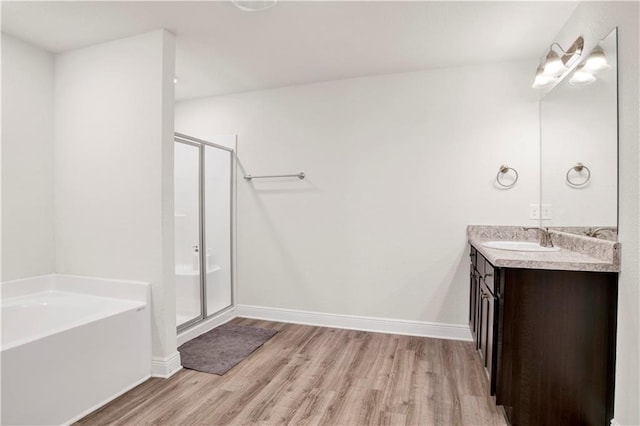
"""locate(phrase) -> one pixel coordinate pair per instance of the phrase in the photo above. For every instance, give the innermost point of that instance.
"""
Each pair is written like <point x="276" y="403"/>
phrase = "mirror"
<point x="579" y="147"/>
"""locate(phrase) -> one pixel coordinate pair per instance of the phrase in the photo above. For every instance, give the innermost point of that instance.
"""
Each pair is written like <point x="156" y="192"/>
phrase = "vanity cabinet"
<point x="547" y="341"/>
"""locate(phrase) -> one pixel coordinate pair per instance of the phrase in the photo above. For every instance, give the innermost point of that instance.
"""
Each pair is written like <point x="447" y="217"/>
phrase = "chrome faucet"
<point x="545" y="237"/>
<point x="596" y="231"/>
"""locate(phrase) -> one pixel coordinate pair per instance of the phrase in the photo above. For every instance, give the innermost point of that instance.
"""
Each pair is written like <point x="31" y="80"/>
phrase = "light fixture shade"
<point x="581" y="77"/>
<point x="542" y="80"/>
<point x="553" y="65"/>
<point x="597" y="60"/>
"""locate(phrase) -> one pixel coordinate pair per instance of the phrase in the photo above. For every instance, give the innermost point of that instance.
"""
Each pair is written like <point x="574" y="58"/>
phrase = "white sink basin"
<point x="518" y="246"/>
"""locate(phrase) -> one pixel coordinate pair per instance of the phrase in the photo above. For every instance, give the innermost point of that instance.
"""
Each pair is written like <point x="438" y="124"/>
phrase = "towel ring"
<point x="504" y="169"/>
<point x="578" y="168"/>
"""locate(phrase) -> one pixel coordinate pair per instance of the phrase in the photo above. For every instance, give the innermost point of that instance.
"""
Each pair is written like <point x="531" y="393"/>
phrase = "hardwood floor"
<point x="315" y="375"/>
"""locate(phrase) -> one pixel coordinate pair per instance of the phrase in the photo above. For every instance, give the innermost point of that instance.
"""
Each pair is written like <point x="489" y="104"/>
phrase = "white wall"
<point x="114" y="168"/>
<point x="397" y="165"/>
<point x="27" y="160"/>
<point x="594" y="20"/>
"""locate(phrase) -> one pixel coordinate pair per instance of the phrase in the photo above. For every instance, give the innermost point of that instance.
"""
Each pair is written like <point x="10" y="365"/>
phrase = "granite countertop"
<point x="577" y="253"/>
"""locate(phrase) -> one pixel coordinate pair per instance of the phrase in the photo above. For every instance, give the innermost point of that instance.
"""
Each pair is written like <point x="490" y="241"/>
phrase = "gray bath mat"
<point x="218" y="350"/>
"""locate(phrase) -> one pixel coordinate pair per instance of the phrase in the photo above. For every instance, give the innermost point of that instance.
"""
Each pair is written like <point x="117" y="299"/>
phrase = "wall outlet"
<point x="534" y="211"/>
<point x="545" y="212"/>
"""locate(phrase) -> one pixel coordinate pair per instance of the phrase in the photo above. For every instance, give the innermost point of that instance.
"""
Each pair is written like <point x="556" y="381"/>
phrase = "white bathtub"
<point x="69" y="345"/>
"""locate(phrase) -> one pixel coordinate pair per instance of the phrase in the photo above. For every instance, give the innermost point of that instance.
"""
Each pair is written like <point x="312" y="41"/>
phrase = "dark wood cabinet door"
<point x="474" y="296"/>
<point x="472" y="299"/>
<point x="558" y="343"/>
<point x="474" y="320"/>
<point x="488" y="334"/>
<point x="484" y="325"/>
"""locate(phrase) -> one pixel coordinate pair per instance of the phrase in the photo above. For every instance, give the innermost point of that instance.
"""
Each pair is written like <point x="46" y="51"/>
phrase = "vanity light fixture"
<point x="597" y="60"/>
<point x="554" y="65"/>
<point x="542" y="80"/>
<point x="584" y="73"/>
<point x="582" y="77"/>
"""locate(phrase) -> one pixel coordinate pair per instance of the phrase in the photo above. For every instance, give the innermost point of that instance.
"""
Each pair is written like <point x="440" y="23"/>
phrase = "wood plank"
<point x="308" y="375"/>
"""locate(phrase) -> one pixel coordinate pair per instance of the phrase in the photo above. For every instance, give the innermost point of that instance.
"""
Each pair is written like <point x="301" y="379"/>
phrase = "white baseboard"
<point x="206" y="325"/>
<point x="615" y="423"/>
<point x="352" y="322"/>
<point x="166" y="367"/>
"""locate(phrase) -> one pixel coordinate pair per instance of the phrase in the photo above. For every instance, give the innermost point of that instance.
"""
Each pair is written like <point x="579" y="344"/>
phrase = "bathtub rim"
<point x="85" y="320"/>
<point x="138" y="290"/>
<point x="136" y="293"/>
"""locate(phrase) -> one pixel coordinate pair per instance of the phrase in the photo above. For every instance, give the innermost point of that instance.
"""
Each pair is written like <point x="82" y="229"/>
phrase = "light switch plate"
<point x="534" y="211"/>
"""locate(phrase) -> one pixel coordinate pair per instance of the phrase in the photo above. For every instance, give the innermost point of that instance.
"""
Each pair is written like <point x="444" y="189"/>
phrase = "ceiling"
<point x="221" y="49"/>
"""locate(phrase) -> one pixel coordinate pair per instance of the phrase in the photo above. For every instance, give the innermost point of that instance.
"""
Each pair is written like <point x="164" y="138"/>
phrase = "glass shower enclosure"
<point x="203" y="195"/>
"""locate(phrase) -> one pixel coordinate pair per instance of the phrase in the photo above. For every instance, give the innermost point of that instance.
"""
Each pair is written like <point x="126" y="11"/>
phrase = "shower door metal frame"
<point x="201" y="144"/>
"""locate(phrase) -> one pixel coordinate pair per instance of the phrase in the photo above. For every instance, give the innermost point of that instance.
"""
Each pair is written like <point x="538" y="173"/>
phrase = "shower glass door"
<point x="203" y="223"/>
<point x="187" y="228"/>
<point x="217" y="214"/>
